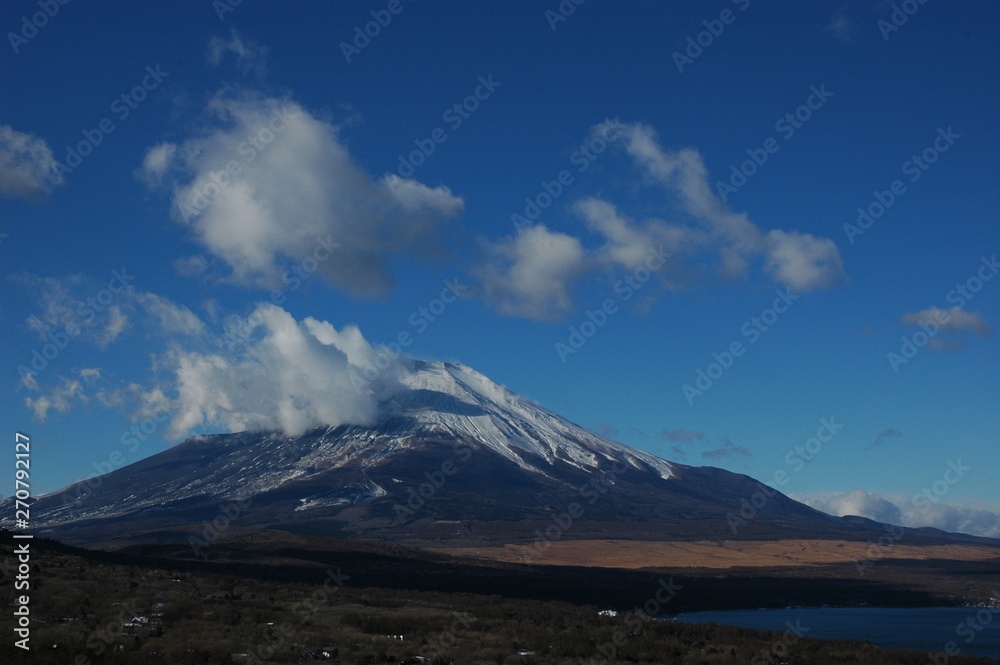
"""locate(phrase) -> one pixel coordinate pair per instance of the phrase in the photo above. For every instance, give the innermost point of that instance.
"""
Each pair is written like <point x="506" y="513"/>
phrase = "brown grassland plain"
<point x="639" y="554"/>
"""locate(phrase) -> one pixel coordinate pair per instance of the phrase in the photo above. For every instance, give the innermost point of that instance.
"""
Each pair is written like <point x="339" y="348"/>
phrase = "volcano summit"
<point x="453" y="459"/>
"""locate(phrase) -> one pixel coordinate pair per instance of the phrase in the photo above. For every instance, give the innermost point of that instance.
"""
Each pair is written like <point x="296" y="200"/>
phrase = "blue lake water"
<point x="975" y="631"/>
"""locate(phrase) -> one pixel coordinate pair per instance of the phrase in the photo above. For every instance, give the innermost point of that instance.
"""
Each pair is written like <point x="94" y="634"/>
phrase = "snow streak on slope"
<point x="457" y="399"/>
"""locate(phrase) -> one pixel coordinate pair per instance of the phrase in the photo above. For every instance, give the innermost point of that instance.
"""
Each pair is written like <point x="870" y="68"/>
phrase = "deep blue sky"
<point x="826" y="356"/>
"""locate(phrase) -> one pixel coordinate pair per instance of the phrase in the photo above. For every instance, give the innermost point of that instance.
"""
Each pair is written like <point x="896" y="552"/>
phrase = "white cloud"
<point x="90" y="374"/>
<point x="683" y="175"/>
<point x="76" y="309"/>
<point x="27" y="168"/>
<point x="289" y="376"/>
<point x="173" y="318"/>
<point x="158" y="161"/>
<point x="704" y="239"/>
<point x="841" y="27"/>
<point x="59" y="308"/>
<point x="796" y="260"/>
<point x="117" y="323"/>
<point x="282" y="374"/>
<point x="626" y="243"/>
<point x="249" y="55"/>
<point x="191" y="266"/>
<point x="969" y="519"/>
<point x="297" y="190"/>
<point x="60" y="398"/>
<point x="802" y="262"/>
<point x="949" y="322"/>
<point x="532" y="274"/>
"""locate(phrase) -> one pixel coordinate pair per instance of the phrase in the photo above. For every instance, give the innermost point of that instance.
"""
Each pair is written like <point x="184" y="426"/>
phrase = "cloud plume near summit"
<point x="271" y="372"/>
<point x="265" y="371"/>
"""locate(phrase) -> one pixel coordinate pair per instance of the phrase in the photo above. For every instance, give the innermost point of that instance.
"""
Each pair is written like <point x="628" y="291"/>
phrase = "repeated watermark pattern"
<point x="901" y="13"/>
<point x="923" y="500"/>
<point x="363" y="35"/>
<point x="420" y="321"/>
<point x="796" y="459"/>
<point x="786" y="126"/>
<point x="696" y="44"/>
<point x="914" y="167"/>
<point x="28" y="30"/>
<point x="625" y="290"/>
<point x="122" y="107"/>
<point x="86" y="314"/>
<point x="454" y="116"/>
<point x="634" y="622"/>
<point x="931" y="325"/>
<point x="249" y="149"/>
<point x="752" y="329"/>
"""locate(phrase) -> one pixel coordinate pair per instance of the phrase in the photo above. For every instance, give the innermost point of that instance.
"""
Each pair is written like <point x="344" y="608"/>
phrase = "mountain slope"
<point x="454" y="457"/>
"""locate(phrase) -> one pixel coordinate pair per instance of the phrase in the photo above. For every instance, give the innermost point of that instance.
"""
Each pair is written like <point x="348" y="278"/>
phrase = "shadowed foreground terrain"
<point x="281" y="598"/>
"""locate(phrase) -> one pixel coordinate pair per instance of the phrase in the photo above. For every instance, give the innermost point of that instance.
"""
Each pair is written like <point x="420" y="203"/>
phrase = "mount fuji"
<point x="453" y="458"/>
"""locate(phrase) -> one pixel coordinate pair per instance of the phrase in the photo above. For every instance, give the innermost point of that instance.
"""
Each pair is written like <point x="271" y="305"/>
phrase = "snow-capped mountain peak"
<point x="460" y="400"/>
<point x="453" y="455"/>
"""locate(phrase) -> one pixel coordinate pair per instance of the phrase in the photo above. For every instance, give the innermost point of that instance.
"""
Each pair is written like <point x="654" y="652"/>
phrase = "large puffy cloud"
<point x="704" y="238"/>
<point x="973" y="520"/>
<point x="293" y="194"/>
<point x="27" y="168"/>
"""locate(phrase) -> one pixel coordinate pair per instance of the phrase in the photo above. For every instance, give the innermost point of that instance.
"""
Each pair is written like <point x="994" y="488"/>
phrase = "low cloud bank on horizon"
<point x="909" y="512"/>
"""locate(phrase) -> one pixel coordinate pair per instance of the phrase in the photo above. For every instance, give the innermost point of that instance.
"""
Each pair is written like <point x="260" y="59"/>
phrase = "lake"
<point x="975" y="631"/>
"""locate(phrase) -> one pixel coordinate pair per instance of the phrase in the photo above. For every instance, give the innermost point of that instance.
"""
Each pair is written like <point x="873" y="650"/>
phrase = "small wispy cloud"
<point x="250" y="56"/>
<point x="948" y="325"/>
<point x="27" y="168"/>
<point x="681" y="435"/>
<point x="728" y="449"/>
<point x="63" y="396"/>
<point x="881" y="437"/>
<point x="841" y="27"/>
<point x="606" y="430"/>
